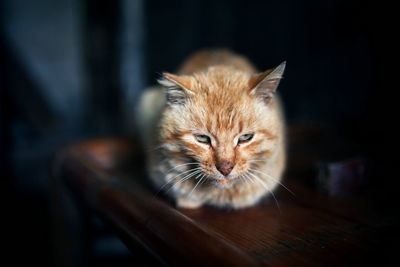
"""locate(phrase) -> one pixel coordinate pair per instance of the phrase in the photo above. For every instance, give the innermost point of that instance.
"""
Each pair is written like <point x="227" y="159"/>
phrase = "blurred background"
<point x="72" y="70"/>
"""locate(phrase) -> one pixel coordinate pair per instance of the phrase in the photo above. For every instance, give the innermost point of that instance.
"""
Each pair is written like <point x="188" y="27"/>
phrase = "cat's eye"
<point x="203" y="139"/>
<point x="245" y="137"/>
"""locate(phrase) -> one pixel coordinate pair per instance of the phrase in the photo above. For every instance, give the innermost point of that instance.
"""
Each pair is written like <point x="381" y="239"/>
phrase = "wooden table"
<point x="309" y="229"/>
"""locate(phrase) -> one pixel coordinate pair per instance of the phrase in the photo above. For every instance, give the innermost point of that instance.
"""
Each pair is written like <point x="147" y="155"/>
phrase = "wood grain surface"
<point x="306" y="229"/>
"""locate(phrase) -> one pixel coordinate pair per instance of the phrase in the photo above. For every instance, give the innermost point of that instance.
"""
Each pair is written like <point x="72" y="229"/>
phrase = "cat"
<point x="215" y="131"/>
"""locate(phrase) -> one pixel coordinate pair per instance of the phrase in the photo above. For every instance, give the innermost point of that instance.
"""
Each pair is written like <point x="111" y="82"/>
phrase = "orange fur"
<point x="220" y="95"/>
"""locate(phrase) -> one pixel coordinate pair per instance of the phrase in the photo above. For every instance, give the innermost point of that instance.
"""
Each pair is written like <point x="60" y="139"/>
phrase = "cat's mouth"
<point x="223" y="183"/>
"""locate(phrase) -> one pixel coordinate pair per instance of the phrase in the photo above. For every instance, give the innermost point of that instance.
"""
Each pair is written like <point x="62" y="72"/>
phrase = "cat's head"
<point x="223" y="119"/>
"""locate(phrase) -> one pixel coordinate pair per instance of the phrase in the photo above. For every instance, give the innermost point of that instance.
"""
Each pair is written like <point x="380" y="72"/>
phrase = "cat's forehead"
<point x="222" y="103"/>
<point x="221" y="79"/>
<point x="222" y="91"/>
<point x="224" y="118"/>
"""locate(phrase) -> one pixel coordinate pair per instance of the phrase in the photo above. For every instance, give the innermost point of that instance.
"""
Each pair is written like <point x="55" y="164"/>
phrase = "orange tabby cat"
<point x="216" y="131"/>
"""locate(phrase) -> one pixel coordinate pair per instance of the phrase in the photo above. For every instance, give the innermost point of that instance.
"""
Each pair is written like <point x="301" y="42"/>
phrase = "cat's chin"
<point x="223" y="183"/>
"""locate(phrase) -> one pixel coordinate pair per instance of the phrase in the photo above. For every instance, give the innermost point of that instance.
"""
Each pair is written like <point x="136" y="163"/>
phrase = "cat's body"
<point x="215" y="133"/>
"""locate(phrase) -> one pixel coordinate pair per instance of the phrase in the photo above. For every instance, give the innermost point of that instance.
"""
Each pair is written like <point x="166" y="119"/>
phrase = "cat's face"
<point x="221" y="123"/>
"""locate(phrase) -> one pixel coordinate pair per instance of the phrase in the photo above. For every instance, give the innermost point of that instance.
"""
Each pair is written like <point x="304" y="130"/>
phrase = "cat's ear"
<point x="264" y="84"/>
<point x="177" y="88"/>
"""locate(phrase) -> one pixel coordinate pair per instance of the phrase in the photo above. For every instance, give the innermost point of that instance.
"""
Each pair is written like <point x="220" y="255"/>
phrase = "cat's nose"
<point x="225" y="167"/>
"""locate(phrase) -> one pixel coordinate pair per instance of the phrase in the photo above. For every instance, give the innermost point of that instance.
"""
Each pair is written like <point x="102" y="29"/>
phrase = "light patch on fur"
<point x="222" y="97"/>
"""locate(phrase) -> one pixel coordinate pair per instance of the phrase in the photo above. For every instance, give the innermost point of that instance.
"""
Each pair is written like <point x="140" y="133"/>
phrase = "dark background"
<point x="72" y="70"/>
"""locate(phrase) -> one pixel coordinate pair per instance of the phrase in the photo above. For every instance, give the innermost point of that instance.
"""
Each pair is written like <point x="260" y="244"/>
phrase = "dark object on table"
<point x="341" y="178"/>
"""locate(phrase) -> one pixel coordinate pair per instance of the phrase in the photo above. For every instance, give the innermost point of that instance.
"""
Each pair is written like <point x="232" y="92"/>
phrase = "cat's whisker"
<point x="205" y="178"/>
<point x="162" y="187"/>
<point x="195" y="169"/>
<point x="184" y="164"/>
<point x="266" y="187"/>
<point x="257" y="160"/>
<point x="198" y="176"/>
<point x="187" y="177"/>
<point x="242" y="178"/>
<point x="172" y="179"/>
<point x="196" y="185"/>
<point x="201" y="174"/>
<point x="272" y="178"/>
<point x="248" y="177"/>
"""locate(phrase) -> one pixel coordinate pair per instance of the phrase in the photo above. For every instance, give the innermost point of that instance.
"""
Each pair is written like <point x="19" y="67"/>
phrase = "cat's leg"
<point x="183" y="202"/>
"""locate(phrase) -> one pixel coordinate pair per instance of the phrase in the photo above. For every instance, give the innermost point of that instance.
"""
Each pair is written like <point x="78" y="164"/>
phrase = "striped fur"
<point x="218" y="94"/>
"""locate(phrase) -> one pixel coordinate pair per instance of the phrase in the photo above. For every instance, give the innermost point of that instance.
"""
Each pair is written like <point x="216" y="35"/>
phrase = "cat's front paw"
<point x="182" y="202"/>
